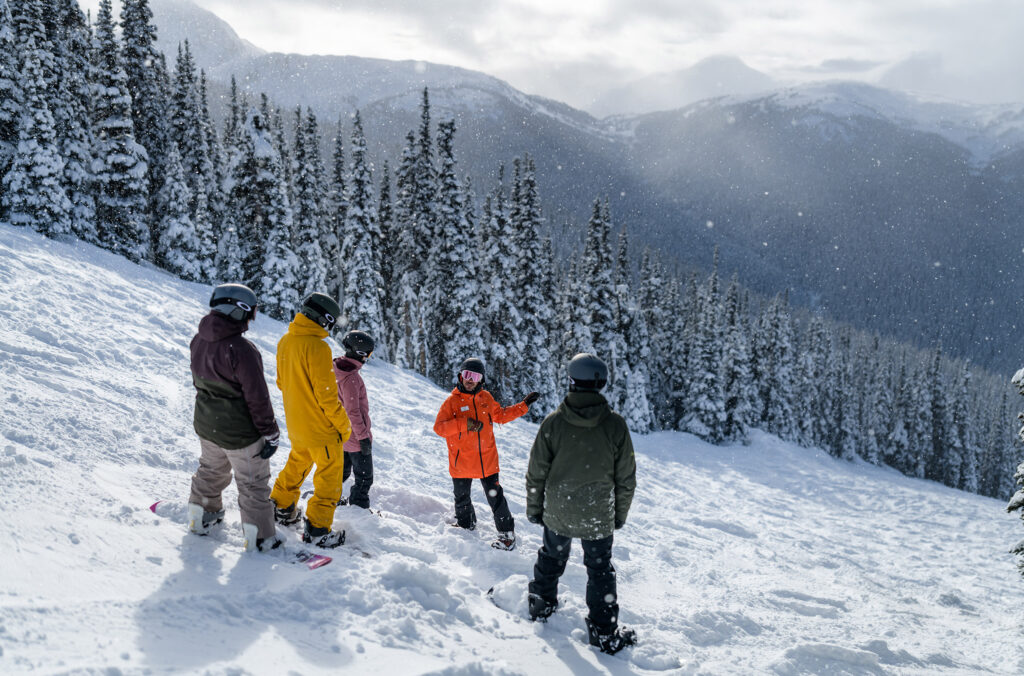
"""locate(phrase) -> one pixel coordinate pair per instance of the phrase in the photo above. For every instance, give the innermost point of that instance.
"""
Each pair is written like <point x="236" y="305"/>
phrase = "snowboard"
<point x="298" y="556"/>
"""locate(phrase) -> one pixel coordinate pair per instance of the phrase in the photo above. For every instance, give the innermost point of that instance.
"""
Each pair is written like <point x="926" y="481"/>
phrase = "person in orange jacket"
<point x="466" y="421"/>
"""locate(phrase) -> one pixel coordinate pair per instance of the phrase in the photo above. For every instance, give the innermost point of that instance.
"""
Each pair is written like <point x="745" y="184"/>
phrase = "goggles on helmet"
<point x="472" y="376"/>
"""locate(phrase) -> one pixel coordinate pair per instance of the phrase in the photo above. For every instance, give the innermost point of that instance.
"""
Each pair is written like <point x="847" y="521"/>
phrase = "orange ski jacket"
<point x="473" y="455"/>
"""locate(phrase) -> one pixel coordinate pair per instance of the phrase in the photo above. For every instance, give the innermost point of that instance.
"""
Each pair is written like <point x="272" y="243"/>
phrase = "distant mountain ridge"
<point x="892" y="211"/>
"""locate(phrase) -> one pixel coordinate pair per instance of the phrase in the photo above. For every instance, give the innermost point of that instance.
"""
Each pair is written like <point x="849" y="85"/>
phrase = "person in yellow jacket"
<point x="317" y="423"/>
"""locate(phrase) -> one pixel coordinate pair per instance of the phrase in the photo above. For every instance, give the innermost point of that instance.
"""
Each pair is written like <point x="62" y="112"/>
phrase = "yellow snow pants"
<point x="330" y="465"/>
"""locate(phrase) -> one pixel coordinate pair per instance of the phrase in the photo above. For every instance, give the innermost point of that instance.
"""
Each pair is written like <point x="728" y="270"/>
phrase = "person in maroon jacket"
<point x="352" y="392"/>
<point x="234" y="419"/>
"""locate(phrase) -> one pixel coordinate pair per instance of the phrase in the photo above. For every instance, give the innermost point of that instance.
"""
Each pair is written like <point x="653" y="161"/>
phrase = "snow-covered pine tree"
<point x="404" y="297"/>
<point x="33" y="187"/>
<point x="899" y="446"/>
<point x="189" y="130"/>
<point x="214" y="189"/>
<point x="632" y="326"/>
<point x="278" y="296"/>
<point x="943" y="461"/>
<point x="260" y="203"/>
<point x="598" y="289"/>
<point x="650" y="297"/>
<point x="1017" y="501"/>
<point x="842" y="437"/>
<point x="777" y="381"/>
<point x="424" y="229"/>
<point x="499" y="314"/>
<point x="143" y="63"/>
<point x="455" y="330"/>
<point x="739" y="393"/>
<point x="533" y="293"/>
<point x="388" y="248"/>
<point x="309" y="198"/>
<point x="867" y="382"/>
<point x="362" y="302"/>
<point x="281" y="143"/>
<point x="229" y="251"/>
<point x="178" y="250"/>
<point x="120" y="170"/>
<point x="705" y="416"/>
<point x="72" y="43"/>
<point x="334" y="228"/>
<point x="962" y="436"/>
<point x="11" y="98"/>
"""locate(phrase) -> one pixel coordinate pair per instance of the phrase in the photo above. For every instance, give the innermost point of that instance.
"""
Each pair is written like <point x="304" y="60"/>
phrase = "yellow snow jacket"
<point x="305" y="375"/>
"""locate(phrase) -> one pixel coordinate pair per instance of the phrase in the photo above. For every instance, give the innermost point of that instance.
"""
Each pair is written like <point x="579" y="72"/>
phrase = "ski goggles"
<point x="472" y="376"/>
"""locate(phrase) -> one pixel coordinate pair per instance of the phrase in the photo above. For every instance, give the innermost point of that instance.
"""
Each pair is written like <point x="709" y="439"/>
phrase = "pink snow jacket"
<point x="352" y="393"/>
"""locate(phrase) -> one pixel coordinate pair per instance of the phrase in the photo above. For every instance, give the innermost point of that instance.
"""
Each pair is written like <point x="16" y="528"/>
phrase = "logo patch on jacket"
<point x="464" y="408"/>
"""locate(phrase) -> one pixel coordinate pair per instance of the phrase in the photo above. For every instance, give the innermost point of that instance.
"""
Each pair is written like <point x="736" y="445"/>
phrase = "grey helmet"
<point x="358" y="344"/>
<point x="322" y="309"/>
<point x="236" y="301"/>
<point x="476" y="365"/>
<point x="587" y="373"/>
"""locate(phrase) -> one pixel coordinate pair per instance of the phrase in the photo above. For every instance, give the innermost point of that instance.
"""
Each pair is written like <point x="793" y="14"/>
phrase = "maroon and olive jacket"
<point x="233" y="407"/>
<point x="352" y="393"/>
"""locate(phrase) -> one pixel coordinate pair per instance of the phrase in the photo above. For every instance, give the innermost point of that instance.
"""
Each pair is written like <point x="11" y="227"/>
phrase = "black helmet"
<point x="237" y="301"/>
<point x="476" y="366"/>
<point x="587" y="373"/>
<point x="358" y="344"/>
<point x="322" y="309"/>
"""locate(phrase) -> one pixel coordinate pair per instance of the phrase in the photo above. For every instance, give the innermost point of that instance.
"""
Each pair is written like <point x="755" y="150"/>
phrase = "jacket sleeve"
<point x="446" y="424"/>
<point x="625" y="475"/>
<point x="249" y="373"/>
<point x="541" y="455"/>
<point x="509" y="413"/>
<point x="325" y="389"/>
<point x="352" y="391"/>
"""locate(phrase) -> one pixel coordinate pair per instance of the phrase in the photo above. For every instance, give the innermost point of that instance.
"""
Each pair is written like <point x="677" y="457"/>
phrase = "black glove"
<point x="269" y="449"/>
<point x="530" y="398"/>
<point x="365" y="446"/>
<point x="619" y="523"/>
<point x="474" y="425"/>
<point x="536" y="518"/>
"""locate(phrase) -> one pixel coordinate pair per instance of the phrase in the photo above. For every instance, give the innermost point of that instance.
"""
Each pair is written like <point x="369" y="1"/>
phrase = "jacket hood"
<point x="304" y="326"/>
<point x="584" y="409"/>
<point x="347" y="364"/>
<point x="215" y="326"/>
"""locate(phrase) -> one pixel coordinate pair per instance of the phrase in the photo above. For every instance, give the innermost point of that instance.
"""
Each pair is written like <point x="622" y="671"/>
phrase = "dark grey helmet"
<point x="587" y="373"/>
<point x="358" y="344"/>
<point x="322" y="309"/>
<point x="237" y="301"/>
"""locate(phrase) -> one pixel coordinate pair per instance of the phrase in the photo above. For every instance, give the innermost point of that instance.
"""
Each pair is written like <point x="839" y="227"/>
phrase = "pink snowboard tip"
<point x="152" y="507"/>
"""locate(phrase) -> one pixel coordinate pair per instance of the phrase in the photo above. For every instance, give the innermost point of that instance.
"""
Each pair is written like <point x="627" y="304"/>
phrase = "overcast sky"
<point x="568" y="49"/>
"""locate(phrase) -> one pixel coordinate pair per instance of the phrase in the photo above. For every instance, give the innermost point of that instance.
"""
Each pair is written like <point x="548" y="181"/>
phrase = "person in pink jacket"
<point x="352" y="392"/>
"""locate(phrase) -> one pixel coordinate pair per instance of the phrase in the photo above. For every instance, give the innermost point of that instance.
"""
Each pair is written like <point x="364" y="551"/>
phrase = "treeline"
<point x="100" y="140"/>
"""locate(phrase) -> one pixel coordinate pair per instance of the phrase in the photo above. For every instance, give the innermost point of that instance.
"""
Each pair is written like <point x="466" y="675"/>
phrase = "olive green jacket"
<point x="582" y="472"/>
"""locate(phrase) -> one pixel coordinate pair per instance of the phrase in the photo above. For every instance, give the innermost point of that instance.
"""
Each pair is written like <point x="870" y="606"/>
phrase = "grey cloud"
<point x="844" y="66"/>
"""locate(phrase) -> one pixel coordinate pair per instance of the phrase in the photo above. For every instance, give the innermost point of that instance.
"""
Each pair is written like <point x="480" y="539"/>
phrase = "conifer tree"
<point x="739" y="395"/>
<point x="11" y="97"/>
<point x="309" y="199"/>
<point x="361" y="302"/>
<point x="705" y="416"/>
<point x="632" y="326"/>
<point x="650" y="297"/>
<point x="777" y="359"/>
<point x="338" y="197"/>
<point x="229" y="250"/>
<point x="962" y="435"/>
<point x="899" y="452"/>
<point x="33" y="187"/>
<point x="942" y="462"/>
<point x="406" y="306"/>
<point x="120" y="164"/>
<point x="388" y="247"/>
<point x="73" y="42"/>
<point x="178" y="250"/>
<point x="145" y="82"/>
<point x="1017" y="501"/>
<point x="189" y="130"/>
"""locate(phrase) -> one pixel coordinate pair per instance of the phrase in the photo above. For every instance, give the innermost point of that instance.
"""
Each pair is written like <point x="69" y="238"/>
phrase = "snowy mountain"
<point x="712" y="77"/>
<point x="840" y="192"/>
<point x="738" y="559"/>
<point x="211" y="40"/>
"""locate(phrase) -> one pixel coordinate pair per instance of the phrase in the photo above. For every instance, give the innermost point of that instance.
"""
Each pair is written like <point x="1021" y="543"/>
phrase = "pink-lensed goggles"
<point x="472" y="376"/>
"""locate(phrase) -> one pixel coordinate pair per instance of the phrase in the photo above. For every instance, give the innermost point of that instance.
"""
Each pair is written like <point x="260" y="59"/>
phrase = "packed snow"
<point x="765" y="558"/>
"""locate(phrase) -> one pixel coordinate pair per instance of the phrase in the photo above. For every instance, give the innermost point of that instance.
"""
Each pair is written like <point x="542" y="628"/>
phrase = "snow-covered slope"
<point x="735" y="559"/>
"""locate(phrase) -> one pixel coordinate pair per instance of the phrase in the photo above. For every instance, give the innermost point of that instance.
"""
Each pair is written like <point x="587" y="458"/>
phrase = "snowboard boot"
<point x="541" y="608"/>
<point x="611" y="641"/>
<point x="323" y="537"/>
<point x="506" y="540"/>
<point x="200" y="521"/>
<point x="288" y="516"/>
<point x="251" y="542"/>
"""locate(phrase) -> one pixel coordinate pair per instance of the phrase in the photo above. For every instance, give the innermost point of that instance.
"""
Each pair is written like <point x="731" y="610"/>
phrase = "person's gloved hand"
<point x="531" y="397"/>
<point x="269" y="448"/>
<point x="619" y="523"/>
<point x="474" y="425"/>
<point x="365" y="446"/>
<point x="536" y="518"/>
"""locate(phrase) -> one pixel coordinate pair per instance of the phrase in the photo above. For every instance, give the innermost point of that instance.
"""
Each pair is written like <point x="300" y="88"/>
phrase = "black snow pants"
<point x="602" y="598"/>
<point x="360" y="465"/>
<point x="465" y="515"/>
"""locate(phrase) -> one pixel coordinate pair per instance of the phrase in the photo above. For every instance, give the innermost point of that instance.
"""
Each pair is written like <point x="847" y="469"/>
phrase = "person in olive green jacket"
<point x="579" y="484"/>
